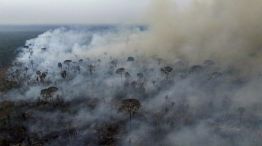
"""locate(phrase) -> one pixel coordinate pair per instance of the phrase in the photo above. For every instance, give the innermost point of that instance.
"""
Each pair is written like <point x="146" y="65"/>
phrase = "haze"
<point x="71" y="11"/>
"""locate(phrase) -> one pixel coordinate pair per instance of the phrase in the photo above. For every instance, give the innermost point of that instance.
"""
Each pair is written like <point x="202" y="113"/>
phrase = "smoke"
<point x="228" y="31"/>
<point x="211" y="96"/>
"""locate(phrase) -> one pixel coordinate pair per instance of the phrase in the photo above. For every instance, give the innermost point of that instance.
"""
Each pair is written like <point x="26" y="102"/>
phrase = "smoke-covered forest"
<point x="189" y="78"/>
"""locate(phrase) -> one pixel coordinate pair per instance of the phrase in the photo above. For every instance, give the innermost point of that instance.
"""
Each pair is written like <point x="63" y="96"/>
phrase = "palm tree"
<point x="241" y="111"/>
<point x="78" y="68"/>
<point x="140" y="75"/>
<point x="114" y="63"/>
<point x="140" y="81"/>
<point x="120" y="71"/>
<point x="215" y="75"/>
<point x="80" y="60"/>
<point x="127" y="75"/>
<point x="32" y="64"/>
<point x="130" y="59"/>
<point x="166" y="70"/>
<point x="67" y="62"/>
<point x="195" y="69"/>
<point x="127" y="79"/>
<point x="60" y="66"/>
<point x="91" y="68"/>
<point x="209" y="63"/>
<point x="131" y="106"/>
<point x="63" y="74"/>
<point x="48" y="92"/>
<point x="38" y="74"/>
<point x="43" y="76"/>
<point x="159" y="60"/>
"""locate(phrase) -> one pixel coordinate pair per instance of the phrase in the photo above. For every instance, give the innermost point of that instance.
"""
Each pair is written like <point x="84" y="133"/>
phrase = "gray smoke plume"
<point x="227" y="31"/>
<point x="192" y="78"/>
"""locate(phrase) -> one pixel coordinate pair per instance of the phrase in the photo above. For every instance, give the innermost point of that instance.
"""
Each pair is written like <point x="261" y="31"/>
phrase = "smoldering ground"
<point x="192" y="78"/>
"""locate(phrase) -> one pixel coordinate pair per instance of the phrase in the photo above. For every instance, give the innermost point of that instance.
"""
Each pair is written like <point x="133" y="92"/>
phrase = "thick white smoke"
<point x="226" y="31"/>
<point x="210" y="96"/>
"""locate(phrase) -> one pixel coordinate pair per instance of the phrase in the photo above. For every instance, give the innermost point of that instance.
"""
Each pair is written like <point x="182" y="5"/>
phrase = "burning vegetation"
<point x="193" y="81"/>
<point x="63" y="113"/>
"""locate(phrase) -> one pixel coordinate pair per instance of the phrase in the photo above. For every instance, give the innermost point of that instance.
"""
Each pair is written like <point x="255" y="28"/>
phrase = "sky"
<point x="72" y="11"/>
